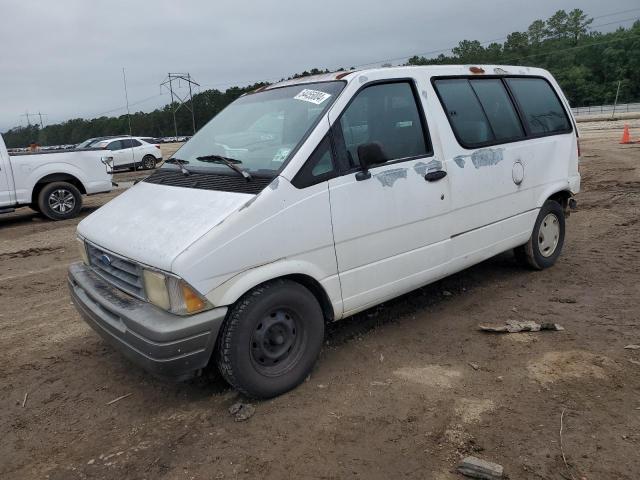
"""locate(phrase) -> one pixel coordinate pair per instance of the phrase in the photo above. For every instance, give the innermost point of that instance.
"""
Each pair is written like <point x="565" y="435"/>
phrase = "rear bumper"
<point x="166" y="345"/>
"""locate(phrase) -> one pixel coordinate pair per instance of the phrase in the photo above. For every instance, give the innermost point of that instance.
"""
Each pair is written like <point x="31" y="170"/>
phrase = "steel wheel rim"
<point x="276" y="342"/>
<point x="548" y="235"/>
<point x="61" y="201"/>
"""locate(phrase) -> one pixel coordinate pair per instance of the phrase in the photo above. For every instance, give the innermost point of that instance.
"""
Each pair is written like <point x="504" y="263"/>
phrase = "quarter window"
<point x="542" y="111"/>
<point x="387" y="114"/>
<point x="318" y="168"/>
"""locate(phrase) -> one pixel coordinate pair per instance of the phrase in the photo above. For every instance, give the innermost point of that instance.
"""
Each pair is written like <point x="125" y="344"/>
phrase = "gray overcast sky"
<point x="65" y="57"/>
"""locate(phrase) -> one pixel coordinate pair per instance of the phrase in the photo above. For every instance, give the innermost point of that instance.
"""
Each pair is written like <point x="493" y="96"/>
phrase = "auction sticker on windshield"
<point x="313" y="96"/>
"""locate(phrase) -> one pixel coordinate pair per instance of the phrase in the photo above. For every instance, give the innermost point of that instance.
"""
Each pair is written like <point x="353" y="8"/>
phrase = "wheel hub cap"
<point x="61" y="201"/>
<point x="273" y="338"/>
<point x="548" y="235"/>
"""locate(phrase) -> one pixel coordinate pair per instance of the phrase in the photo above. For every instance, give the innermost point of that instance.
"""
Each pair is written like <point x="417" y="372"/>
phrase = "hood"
<point x="153" y="224"/>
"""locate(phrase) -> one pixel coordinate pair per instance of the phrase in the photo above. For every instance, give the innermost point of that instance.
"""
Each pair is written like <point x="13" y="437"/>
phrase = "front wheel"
<point x="271" y="339"/>
<point x="60" y="201"/>
<point x="545" y="244"/>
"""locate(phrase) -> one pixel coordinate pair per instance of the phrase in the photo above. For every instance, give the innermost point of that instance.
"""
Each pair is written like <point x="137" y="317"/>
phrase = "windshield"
<point x="260" y="130"/>
<point x="86" y="143"/>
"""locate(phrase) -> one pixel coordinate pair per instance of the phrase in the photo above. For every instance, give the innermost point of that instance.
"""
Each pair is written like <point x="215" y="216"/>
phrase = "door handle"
<point x="435" y="176"/>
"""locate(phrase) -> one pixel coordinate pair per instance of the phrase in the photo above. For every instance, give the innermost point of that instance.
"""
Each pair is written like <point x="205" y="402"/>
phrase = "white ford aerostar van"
<point x="316" y="198"/>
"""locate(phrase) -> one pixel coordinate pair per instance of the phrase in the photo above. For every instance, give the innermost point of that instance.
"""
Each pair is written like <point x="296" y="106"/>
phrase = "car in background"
<point x="89" y="142"/>
<point x="131" y="152"/>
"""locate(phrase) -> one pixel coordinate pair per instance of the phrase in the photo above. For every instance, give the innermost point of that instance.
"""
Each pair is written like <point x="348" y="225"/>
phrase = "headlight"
<point x="83" y="250"/>
<point x="172" y="294"/>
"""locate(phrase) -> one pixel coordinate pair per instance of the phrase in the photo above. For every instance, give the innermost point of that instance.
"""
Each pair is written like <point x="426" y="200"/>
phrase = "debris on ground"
<point x="119" y="398"/>
<point x="242" y="411"/>
<point x="632" y="347"/>
<point x="475" y="366"/>
<point x="514" y="326"/>
<point x="475" y="467"/>
<point x="24" y="400"/>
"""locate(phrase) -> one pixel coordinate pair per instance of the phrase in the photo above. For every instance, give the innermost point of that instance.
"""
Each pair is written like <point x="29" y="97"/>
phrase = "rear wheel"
<point x="60" y="201"/>
<point x="271" y="339"/>
<point x="545" y="245"/>
<point x="148" y="162"/>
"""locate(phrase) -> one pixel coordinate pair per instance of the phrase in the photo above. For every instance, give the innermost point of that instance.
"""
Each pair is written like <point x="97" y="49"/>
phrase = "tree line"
<point x="586" y="63"/>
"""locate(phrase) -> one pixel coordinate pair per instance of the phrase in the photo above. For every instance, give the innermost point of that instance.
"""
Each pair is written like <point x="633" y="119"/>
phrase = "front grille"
<point x="122" y="273"/>
<point x="210" y="181"/>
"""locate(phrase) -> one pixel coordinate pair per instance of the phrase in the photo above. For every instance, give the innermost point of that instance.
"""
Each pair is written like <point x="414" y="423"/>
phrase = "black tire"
<point x="543" y="249"/>
<point x="35" y="207"/>
<point x="271" y="339"/>
<point x="148" y="162"/>
<point x="60" y="201"/>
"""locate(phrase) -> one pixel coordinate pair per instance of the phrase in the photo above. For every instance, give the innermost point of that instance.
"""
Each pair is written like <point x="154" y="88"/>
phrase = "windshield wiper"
<point x="232" y="163"/>
<point x="180" y="163"/>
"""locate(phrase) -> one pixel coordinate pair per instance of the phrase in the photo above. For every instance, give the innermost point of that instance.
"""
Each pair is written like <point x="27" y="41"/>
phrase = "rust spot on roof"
<point x="341" y="75"/>
<point x="476" y="70"/>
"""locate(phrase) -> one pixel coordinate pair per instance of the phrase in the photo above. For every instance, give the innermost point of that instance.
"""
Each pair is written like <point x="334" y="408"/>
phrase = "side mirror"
<point x="108" y="163"/>
<point x="370" y="155"/>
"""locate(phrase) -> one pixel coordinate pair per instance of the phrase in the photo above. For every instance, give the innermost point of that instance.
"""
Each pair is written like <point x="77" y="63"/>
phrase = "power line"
<point x="553" y="52"/>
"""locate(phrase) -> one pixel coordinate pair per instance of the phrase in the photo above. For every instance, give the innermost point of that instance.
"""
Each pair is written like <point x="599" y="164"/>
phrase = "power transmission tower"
<point x="40" y="115"/>
<point x="29" y="115"/>
<point x="185" y="101"/>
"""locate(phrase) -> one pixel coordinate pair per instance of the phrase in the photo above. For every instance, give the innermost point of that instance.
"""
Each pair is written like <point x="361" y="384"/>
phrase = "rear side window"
<point x="541" y="108"/>
<point x="135" y="143"/>
<point x="480" y="111"/>
<point x="386" y="114"/>
<point x="498" y="108"/>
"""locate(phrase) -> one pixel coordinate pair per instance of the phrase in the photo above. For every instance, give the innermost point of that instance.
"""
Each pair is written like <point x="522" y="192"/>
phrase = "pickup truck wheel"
<point x="271" y="339"/>
<point x="60" y="201"/>
<point x="545" y="245"/>
<point x="148" y="162"/>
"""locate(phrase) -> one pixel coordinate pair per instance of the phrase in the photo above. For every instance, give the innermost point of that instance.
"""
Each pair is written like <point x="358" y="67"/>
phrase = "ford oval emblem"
<point x="104" y="258"/>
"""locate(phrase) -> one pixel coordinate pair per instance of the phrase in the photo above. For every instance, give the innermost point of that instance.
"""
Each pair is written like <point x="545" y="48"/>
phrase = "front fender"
<point x="231" y="290"/>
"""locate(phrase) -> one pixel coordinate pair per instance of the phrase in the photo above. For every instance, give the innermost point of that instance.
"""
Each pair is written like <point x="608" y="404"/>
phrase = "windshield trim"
<point x="303" y="139"/>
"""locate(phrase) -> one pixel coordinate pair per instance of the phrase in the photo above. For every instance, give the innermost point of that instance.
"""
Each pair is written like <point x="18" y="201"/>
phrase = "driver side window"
<point x="117" y="145"/>
<point x="386" y="114"/>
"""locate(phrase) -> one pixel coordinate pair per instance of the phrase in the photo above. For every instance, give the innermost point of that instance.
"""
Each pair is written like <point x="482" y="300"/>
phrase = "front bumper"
<point x="166" y="345"/>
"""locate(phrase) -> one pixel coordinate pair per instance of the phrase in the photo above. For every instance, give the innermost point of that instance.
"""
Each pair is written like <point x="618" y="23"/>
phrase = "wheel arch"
<point x="56" y="177"/>
<point x="233" y="289"/>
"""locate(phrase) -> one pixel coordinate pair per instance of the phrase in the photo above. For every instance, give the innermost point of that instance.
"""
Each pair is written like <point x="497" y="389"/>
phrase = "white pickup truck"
<point x="52" y="182"/>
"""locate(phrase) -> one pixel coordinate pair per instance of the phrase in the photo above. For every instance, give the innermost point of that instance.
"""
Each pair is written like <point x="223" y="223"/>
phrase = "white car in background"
<point x="131" y="152"/>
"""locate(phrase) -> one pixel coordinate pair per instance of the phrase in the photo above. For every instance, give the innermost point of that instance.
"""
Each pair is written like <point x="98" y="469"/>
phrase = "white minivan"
<point x="312" y="199"/>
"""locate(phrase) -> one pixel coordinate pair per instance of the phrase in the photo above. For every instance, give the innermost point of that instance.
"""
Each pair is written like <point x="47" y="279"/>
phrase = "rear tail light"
<point x="157" y="146"/>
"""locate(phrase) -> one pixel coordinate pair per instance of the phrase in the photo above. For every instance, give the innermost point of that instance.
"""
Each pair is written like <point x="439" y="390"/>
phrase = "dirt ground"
<point x="394" y="394"/>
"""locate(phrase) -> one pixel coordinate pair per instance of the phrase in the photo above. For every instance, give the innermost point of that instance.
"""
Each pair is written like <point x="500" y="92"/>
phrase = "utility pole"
<point x="616" y="100"/>
<point x="185" y="101"/>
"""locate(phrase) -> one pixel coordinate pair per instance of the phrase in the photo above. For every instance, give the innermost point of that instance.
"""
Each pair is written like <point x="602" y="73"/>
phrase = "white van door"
<point x="496" y="171"/>
<point x="390" y="229"/>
